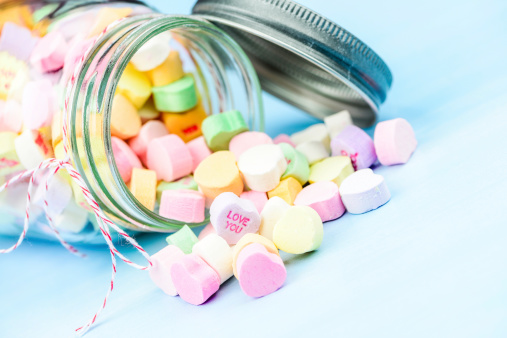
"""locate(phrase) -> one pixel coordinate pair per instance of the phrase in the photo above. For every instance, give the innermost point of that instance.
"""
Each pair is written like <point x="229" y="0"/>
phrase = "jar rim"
<point x="129" y="211"/>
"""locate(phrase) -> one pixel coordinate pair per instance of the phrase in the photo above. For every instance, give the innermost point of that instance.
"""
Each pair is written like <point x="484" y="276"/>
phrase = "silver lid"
<point x="304" y="58"/>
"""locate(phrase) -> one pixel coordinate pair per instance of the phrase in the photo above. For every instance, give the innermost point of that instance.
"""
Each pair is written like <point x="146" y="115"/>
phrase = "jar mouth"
<point x="224" y="77"/>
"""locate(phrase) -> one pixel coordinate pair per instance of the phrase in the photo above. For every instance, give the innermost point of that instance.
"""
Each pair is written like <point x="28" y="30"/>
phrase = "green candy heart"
<point x="183" y="239"/>
<point x="297" y="164"/>
<point x="176" y="97"/>
<point x="219" y="129"/>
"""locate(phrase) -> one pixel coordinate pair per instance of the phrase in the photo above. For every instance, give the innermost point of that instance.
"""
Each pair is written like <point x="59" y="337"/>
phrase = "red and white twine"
<point x="54" y="165"/>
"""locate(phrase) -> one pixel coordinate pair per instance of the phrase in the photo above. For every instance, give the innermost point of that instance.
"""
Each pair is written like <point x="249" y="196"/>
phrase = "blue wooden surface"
<point x="430" y="263"/>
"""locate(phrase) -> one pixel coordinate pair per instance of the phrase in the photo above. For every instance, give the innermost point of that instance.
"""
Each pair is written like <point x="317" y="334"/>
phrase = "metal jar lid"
<point x="303" y="58"/>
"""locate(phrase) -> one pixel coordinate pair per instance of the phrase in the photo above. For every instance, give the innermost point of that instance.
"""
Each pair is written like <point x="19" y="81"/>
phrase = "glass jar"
<point x="224" y="77"/>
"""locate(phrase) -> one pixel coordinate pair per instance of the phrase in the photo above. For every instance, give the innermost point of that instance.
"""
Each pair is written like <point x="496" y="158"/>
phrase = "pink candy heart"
<point x="259" y="271"/>
<point x="194" y="280"/>
<point x="49" y="53"/>
<point x="233" y="217"/>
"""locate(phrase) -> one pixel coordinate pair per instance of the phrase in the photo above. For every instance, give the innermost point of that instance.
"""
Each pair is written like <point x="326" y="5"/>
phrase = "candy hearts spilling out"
<point x="194" y="280"/>
<point x="233" y="217"/>
<point x="262" y="166"/>
<point x="364" y="191"/>
<point x="299" y="230"/>
<point x="259" y="271"/>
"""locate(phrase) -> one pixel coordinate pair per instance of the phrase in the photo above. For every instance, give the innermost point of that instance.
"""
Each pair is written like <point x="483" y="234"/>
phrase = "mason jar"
<point x="299" y="56"/>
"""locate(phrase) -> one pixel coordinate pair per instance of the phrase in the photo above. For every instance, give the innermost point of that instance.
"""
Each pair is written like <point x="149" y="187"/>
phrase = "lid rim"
<point x="311" y="41"/>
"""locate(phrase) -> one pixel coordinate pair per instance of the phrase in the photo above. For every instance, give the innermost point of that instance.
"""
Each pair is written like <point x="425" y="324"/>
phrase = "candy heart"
<point x="170" y="70"/>
<point x="218" y="173"/>
<point x="283" y="138"/>
<point x="233" y="217"/>
<point x="356" y="144"/>
<point x="244" y="141"/>
<point x="287" y="190"/>
<point x="337" y="122"/>
<point x="194" y="280"/>
<point x="184" y="239"/>
<point x="394" y="141"/>
<point x="262" y="166"/>
<point x="199" y="150"/>
<point x="247" y="240"/>
<point x="316" y="132"/>
<point x="334" y="169"/>
<point x="215" y="251"/>
<point x="33" y="147"/>
<point x="125" y="121"/>
<point x="299" y="230"/>
<point x="272" y="212"/>
<point x="324" y="198"/>
<point x="259" y="272"/>
<point x="160" y="272"/>
<point x="152" y="53"/>
<point x="364" y="191"/>
<point x="176" y="97"/>
<point x="183" y="205"/>
<point x="297" y="164"/>
<point x="219" y="129"/>
<point x="17" y="41"/>
<point x="125" y="158"/>
<point x="186" y="125"/>
<point x="313" y="151"/>
<point x="11" y="116"/>
<point x="148" y="132"/>
<point x="49" y="52"/>
<point x="135" y="86"/>
<point x="169" y="157"/>
<point x="258" y="198"/>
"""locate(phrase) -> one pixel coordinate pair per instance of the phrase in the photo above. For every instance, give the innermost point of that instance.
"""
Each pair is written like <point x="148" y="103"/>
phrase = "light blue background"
<point x="430" y="263"/>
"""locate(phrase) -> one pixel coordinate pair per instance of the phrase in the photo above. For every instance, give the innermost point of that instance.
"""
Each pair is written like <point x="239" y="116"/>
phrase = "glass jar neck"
<point x="224" y="77"/>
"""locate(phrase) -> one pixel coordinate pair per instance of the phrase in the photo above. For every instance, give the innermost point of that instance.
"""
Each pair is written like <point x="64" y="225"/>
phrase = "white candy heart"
<point x="363" y="191"/>
<point x="317" y="132"/>
<point x="262" y="166"/>
<point x="152" y="53"/>
<point x="273" y="210"/>
<point x="314" y="151"/>
<point x="337" y="122"/>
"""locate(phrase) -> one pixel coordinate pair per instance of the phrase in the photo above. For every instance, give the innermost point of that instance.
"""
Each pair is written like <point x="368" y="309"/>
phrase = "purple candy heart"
<point x="356" y="144"/>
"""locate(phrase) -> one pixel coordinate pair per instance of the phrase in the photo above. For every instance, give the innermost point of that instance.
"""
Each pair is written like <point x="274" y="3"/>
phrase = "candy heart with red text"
<point x="233" y="217"/>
